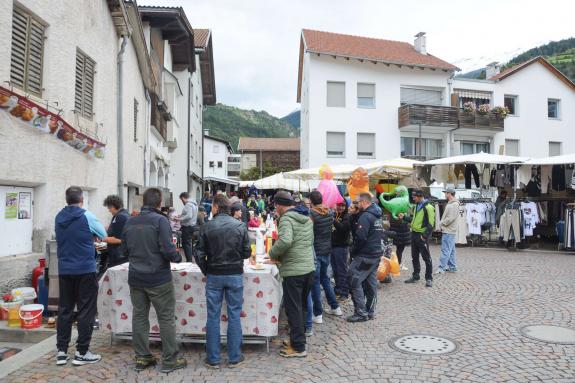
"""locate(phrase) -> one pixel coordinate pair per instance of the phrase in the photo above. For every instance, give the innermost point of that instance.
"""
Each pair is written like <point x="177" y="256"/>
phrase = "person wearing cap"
<point x="294" y="252"/>
<point x="448" y="226"/>
<point x="422" y="223"/>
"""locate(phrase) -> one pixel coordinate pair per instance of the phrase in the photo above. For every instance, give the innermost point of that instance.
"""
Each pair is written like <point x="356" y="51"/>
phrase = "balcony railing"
<point x="447" y="116"/>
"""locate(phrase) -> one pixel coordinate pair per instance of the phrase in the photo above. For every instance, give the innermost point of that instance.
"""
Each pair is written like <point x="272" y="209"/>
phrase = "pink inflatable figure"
<point x="327" y="188"/>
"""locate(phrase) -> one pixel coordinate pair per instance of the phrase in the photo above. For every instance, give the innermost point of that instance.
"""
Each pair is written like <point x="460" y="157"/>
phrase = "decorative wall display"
<point x="24" y="205"/>
<point x="11" y="207"/>
<point x="37" y="117"/>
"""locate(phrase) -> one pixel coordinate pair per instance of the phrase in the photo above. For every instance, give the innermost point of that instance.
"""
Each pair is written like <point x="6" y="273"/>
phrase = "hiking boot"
<point x="337" y="312"/>
<point x="318" y="319"/>
<point x="308" y="332"/>
<point x="289" y="352"/>
<point x="87" y="358"/>
<point x="213" y="366"/>
<point x="356" y="318"/>
<point x="61" y="358"/>
<point x="144" y="362"/>
<point x="238" y="363"/>
<point x="173" y="366"/>
<point x="429" y="283"/>
<point x="412" y="280"/>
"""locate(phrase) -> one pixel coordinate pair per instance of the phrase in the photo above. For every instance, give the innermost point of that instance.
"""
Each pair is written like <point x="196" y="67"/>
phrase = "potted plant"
<point x="484" y="109"/>
<point x="501" y="111"/>
<point x="469" y="107"/>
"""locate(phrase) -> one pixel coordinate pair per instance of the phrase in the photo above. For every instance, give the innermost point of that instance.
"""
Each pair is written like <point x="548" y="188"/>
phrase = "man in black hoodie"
<point x="366" y="253"/>
<point x="147" y="243"/>
<point x="340" y="250"/>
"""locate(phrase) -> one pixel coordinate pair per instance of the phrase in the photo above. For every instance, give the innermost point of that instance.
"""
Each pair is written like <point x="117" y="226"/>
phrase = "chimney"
<point x="492" y="69"/>
<point x="420" y="43"/>
<point x="206" y="132"/>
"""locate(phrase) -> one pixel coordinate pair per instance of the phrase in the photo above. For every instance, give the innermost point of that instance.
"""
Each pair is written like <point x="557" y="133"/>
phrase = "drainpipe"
<point x="119" y="119"/>
<point x="188" y="183"/>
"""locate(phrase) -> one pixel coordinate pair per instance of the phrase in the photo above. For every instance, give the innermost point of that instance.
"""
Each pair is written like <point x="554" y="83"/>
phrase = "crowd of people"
<point x="314" y="244"/>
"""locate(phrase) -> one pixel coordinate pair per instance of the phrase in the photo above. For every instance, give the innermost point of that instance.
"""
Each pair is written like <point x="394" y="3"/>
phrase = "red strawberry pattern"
<point x="256" y="330"/>
<point x="191" y="313"/>
<point x="124" y="316"/>
<point x="184" y="322"/>
<point x="155" y="328"/>
<point x="118" y="302"/>
<point x="274" y="319"/>
<point x="243" y="314"/>
<point x="109" y="326"/>
<point x="183" y="273"/>
<point x="270" y="305"/>
<point x="260" y="294"/>
<point x="109" y="292"/>
<point x="106" y="278"/>
<point x="187" y="286"/>
<point x="257" y="280"/>
<point x="190" y="300"/>
<point x="224" y="318"/>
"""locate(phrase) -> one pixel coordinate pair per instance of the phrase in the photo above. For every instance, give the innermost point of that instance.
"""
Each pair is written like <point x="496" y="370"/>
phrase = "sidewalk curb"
<point x="30" y="354"/>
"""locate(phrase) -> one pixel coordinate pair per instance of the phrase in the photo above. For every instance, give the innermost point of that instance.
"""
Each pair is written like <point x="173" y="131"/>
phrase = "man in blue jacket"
<point x="366" y="253"/>
<point x="75" y="232"/>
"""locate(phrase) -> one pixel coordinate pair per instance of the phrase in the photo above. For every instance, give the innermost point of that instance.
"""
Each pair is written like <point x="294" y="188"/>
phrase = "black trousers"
<point x="399" y="252"/>
<point x="79" y="291"/>
<point x="187" y="235"/>
<point x="419" y="246"/>
<point x="296" y="290"/>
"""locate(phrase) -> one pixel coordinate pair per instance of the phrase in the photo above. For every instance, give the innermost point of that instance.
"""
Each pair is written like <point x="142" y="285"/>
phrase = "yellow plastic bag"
<point x="382" y="269"/>
<point x="394" y="267"/>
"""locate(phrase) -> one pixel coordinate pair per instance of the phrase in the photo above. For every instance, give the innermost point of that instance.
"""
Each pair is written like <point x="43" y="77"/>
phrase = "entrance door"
<point x="16" y="220"/>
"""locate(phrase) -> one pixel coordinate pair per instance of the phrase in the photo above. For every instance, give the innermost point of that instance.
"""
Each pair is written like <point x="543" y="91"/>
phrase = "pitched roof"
<point x="269" y="144"/>
<point x="201" y="37"/>
<point x="220" y="140"/>
<point x="540" y="59"/>
<point x="389" y="51"/>
<point x="366" y="48"/>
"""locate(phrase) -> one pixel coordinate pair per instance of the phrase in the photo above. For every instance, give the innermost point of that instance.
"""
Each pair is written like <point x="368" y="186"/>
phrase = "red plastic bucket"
<point x="31" y="316"/>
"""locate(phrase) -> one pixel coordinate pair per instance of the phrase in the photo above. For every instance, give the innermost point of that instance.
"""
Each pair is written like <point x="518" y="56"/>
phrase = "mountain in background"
<point x="293" y="118"/>
<point x="560" y="54"/>
<point x="230" y="123"/>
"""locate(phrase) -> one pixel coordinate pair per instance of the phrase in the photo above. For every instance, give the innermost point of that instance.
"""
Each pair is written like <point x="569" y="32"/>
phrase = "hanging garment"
<point x="440" y="173"/>
<point x="425" y="173"/>
<point x="509" y="175"/>
<point x="542" y="211"/>
<point x="475" y="217"/>
<point x="486" y="177"/>
<point x="510" y="225"/>
<point x="470" y="170"/>
<point x="437" y="225"/>
<point x="569" y="176"/>
<point x="534" y="187"/>
<point x="530" y="217"/>
<point x="523" y="176"/>
<point x="459" y="171"/>
<point x="500" y="176"/>
<point x="545" y="178"/>
<point x="462" y="230"/>
<point x="558" y="177"/>
<point x="493" y="177"/>
<point x="452" y="178"/>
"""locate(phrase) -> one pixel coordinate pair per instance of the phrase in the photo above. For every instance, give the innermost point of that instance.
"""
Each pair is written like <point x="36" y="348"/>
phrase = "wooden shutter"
<point x="84" y="86"/>
<point x="27" y="52"/>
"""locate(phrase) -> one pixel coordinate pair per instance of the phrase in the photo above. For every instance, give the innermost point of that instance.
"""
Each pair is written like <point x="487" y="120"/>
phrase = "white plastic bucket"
<point x="27" y="294"/>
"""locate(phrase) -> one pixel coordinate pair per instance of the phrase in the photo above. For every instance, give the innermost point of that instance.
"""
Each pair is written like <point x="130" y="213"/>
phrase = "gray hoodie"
<point x="189" y="216"/>
<point x="448" y="222"/>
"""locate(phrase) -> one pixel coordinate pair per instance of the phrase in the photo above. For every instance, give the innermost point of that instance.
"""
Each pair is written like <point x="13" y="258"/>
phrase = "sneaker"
<point x="289" y="352"/>
<point x="178" y="364"/>
<point x="452" y="270"/>
<point x="87" y="358"/>
<point x="286" y="343"/>
<point x="308" y="332"/>
<point x="440" y="271"/>
<point x="238" y="363"/>
<point x="144" y="362"/>
<point x="213" y="366"/>
<point x="318" y="319"/>
<point x="370" y="316"/>
<point x="387" y="279"/>
<point x="337" y="312"/>
<point x="61" y="358"/>
<point x="429" y="283"/>
<point x="412" y="280"/>
<point x="356" y="318"/>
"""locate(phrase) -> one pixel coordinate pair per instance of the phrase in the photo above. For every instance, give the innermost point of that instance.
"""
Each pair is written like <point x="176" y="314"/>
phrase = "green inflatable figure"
<point x="397" y="205"/>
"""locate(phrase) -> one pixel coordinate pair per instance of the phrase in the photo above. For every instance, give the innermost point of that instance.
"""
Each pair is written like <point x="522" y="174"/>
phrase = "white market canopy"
<point x="395" y="167"/>
<point x="477" y="158"/>
<point x="278" y="181"/>
<point x="565" y="159"/>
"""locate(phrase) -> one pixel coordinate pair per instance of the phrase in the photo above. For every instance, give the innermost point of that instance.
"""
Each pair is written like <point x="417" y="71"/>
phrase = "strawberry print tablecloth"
<point x="260" y="311"/>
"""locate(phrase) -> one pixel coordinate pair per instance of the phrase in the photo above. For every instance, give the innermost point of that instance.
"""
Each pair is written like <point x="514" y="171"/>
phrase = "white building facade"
<point x="216" y="153"/>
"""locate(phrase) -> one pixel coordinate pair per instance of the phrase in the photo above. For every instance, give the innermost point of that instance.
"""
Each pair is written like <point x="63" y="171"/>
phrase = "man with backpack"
<point x="422" y="223"/>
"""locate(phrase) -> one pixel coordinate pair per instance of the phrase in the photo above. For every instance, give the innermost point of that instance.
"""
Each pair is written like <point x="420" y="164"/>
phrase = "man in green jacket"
<point x="422" y="224"/>
<point x="294" y="252"/>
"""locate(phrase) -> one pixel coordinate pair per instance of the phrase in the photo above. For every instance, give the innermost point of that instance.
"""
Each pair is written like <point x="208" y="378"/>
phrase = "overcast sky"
<point x="256" y="42"/>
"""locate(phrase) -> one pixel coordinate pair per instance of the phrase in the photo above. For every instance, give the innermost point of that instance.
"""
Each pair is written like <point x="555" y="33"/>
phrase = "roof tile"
<point x="201" y="37"/>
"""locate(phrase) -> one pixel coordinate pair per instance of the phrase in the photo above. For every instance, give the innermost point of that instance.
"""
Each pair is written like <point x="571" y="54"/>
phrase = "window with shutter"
<point x="366" y="145"/>
<point x="27" y="52"/>
<point x="335" y="144"/>
<point x="336" y="94"/>
<point x="365" y="95"/>
<point x="512" y="147"/>
<point x="554" y="148"/>
<point x="84" y="100"/>
<point x="420" y="96"/>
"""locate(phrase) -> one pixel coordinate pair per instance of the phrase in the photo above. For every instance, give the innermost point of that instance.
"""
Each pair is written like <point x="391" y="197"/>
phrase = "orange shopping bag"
<point x="394" y="267"/>
<point x="383" y="269"/>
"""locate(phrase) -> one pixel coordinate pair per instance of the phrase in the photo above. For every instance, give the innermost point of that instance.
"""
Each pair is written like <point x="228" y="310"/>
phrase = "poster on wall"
<point x="11" y="208"/>
<point x="25" y="205"/>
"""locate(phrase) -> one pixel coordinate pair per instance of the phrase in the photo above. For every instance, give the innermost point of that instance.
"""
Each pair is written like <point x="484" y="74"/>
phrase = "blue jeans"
<point x="232" y="286"/>
<point x="339" y="264"/>
<point x="308" y="318"/>
<point x="447" y="259"/>
<point x="322" y="280"/>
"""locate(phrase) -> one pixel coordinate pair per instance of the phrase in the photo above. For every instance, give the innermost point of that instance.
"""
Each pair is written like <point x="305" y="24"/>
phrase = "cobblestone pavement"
<point x="481" y="307"/>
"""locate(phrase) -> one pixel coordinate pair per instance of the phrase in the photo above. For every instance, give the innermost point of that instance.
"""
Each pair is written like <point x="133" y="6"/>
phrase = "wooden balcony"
<point x="448" y="117"/>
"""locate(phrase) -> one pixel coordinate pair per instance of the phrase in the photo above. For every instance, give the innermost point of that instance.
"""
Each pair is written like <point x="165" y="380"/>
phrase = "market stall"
<point x="260" y="315"/>
<point x="278" y="181"/>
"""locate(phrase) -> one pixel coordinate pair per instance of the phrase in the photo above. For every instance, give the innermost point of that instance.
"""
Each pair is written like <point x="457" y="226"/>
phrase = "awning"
<point x="473" y="94"/>
<point x="221" y="180"/>
<point x="565" y="159"/>
<point x="477" y="158"/>
<point x="278" y="181"/>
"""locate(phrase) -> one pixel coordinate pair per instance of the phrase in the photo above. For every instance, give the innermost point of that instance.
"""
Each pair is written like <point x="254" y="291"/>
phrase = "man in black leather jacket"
<point x="224" y="244"/>
<point x="147" y="243"/>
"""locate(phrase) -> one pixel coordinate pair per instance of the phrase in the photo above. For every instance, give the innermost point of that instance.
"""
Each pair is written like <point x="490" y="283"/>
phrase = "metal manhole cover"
<point x="549" y="333"/>
<point x="422" y="344"/>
